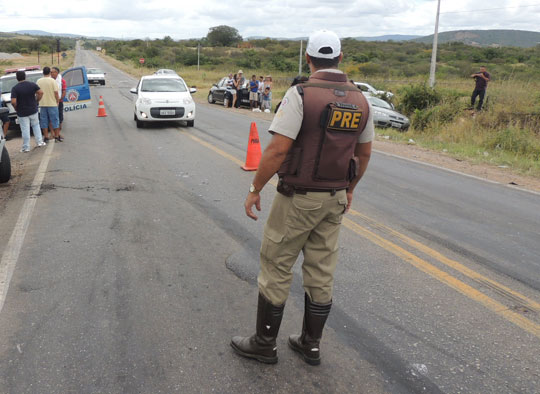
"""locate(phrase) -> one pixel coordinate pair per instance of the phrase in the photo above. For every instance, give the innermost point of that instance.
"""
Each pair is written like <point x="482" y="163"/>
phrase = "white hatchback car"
<point x="163" y="98"/>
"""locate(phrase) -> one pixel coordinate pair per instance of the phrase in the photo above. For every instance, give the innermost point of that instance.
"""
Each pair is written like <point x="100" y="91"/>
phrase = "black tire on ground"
<point x="190" y="123"/>
<point x="134" y="117"/>
<point x="211" y="98"/>
<point x="102" y="83"/>
<point x="5" y="166"/>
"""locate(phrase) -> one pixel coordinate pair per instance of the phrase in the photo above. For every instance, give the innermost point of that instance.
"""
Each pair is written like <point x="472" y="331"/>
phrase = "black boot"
<point x="307" y="344"/>
<point x="262" y="345"/>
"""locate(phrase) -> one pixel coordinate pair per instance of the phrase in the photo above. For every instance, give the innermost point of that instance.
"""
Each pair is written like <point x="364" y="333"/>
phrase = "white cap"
<point x="323" y="39"/>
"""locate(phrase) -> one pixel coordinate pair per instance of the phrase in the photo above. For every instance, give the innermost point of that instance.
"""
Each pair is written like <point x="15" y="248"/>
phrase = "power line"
<point x="490" y="9"/>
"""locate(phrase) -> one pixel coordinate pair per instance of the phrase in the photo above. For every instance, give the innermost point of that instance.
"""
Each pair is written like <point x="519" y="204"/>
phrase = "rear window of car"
<point x="377" y="102"/>
<point x="7" y="83"/>
<point x="94" y="71"/>
<point x="163" y="85"/>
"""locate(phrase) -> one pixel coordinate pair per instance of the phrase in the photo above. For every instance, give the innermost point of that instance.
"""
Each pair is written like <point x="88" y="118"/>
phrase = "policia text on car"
<point x="320" y="149"/>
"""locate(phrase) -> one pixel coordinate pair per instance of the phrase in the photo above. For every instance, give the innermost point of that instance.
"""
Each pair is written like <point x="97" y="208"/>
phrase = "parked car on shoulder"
<point x="365" y="87"/>
<point x="9" y="80"/>
<point x="95" y="75"/>
<point x="222" y="93"/>
<point x="5" y="164"/>
<point x="384" y="114"/>
<point x="160" y="98"/>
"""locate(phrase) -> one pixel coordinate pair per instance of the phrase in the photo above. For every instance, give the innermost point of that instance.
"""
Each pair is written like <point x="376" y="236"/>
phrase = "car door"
<point x="78" y="90"/>
<point x="220" y="91"/>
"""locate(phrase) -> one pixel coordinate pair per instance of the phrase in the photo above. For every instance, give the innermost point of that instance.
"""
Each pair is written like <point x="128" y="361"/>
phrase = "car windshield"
<point x="163" y="85"/>
<point x="165" y="71"/>
<point x="7" y="83"/>
<point x="94" y="71"/>
<point x="377" y="102"/>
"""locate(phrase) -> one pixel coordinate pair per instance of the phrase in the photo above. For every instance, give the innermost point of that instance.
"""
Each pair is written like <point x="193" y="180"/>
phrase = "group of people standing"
<point x="39" y="106"/>
<point x="260" y="91"/>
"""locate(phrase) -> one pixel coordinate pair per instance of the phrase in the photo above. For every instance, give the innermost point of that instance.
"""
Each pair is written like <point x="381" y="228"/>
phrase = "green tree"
<point x="223" y="35"/>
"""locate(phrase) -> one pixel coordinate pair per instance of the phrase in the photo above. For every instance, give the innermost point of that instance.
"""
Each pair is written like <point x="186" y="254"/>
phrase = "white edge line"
<point x="457" y="172"/>
<point x="15" y="243"/>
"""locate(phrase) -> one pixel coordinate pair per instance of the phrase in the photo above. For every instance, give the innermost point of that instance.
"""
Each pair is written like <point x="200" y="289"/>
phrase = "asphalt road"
<point x="139" y="264"/>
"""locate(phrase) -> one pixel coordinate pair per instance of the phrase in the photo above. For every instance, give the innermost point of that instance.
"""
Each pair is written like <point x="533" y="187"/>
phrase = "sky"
<point x="182" y="19"/>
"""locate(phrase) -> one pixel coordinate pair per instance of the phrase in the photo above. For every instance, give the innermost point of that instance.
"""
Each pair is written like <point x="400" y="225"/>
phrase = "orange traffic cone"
<point x="101" y="109"/>
<point x="253" y="150"/>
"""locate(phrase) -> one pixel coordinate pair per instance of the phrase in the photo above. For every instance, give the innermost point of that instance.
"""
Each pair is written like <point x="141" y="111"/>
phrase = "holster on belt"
<point x="283" y="188"/>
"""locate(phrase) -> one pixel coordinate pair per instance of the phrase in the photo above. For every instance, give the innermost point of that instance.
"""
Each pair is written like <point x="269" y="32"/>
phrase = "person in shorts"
<point x="62" y="87"/>
<point x="266" y="100"/>
<point x="253" y="94"/>
<point x="48" y="105"/>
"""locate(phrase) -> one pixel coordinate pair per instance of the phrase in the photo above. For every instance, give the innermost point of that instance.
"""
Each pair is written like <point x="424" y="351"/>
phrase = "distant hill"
<point x="485" y="38"/>
<point x="45" y="33"/>
<point x="388" y="37"/>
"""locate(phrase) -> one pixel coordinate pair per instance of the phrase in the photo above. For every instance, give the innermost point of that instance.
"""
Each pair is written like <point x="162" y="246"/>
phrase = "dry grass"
<point x="44" y="60"/>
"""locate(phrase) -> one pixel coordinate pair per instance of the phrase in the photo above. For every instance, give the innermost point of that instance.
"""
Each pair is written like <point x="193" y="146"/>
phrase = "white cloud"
<point x="285" y="18"/>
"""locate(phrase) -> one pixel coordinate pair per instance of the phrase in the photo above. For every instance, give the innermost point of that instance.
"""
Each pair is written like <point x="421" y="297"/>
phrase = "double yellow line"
<point x="428" y="268"/>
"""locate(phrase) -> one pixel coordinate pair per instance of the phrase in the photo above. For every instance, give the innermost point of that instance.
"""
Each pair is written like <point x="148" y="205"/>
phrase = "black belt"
<point x="288" y="190"/>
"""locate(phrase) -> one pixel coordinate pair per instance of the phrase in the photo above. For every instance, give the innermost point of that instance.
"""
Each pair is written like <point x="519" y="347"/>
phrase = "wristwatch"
<point x="252" y="189"/>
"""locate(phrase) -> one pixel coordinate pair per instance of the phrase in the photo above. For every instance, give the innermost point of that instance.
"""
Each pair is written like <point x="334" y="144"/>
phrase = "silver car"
<point x="384" y="114"/>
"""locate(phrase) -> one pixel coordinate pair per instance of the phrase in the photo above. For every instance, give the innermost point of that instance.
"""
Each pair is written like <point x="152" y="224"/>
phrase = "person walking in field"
<point x="481" y="79"/>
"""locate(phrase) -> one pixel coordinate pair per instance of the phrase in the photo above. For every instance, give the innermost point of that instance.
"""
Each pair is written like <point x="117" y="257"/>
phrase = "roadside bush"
<point x="516" y="140"/>
<point x="417" y="97"/>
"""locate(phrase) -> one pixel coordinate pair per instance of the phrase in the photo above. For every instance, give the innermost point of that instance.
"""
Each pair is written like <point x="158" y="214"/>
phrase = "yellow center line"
<point x="422" y="265"/>
<point x="530" y="304"/>
<point x="446" y="278"/>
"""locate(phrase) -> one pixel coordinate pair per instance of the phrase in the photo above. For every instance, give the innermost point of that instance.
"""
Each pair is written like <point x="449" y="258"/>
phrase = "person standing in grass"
<point x="481" y="78"/>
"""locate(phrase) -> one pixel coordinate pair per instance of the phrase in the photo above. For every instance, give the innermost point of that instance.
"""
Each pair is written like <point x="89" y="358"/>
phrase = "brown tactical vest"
<point x="322" y="156"/>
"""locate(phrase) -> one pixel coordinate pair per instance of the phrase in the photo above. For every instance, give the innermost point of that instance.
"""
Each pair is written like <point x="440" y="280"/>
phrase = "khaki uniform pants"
<point x="309" y="223"/>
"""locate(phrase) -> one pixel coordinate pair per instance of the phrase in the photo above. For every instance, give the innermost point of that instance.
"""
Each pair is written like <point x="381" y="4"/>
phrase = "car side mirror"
<point x="215" y="85"/>
<point x="133" y="90"/>
<point x="192" y="90"/>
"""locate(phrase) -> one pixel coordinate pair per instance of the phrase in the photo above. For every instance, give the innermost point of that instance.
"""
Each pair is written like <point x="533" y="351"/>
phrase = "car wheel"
<point x="5" y="166"/>
<point x="211" y="98"/>
<point x="102" y="83"/>
<point x="140" y="124"/>
<point x="134" y="116"/>
<point x="190" y="123"/>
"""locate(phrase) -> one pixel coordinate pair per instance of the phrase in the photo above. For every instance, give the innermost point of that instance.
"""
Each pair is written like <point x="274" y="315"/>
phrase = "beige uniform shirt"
<point x="288" y="119"/>
<point x="48" y="86"/>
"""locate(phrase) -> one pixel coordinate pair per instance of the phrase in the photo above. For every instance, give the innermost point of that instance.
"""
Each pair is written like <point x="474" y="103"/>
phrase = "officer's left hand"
<point x="252" y="199"/>
<point x="349" y="201"/>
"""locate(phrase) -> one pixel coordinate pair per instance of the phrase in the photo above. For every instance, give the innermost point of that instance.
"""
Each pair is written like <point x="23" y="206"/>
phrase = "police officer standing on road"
<point x="320" y="149"/>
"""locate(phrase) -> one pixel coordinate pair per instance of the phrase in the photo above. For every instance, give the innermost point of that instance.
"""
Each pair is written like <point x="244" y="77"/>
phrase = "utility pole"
<point x="434" y="50"/>
<point x="300" y="60"/>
